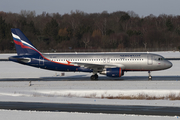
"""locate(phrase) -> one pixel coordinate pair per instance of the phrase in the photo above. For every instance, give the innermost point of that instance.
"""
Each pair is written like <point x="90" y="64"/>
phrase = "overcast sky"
<point x="141" y="7"/>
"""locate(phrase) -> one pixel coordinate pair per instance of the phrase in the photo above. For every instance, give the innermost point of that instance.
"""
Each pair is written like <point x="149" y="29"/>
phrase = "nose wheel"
<point x="94" y="77"/>
<point x="150" y="77"/>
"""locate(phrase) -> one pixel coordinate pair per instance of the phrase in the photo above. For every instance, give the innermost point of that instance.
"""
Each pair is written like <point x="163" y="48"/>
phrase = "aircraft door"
<point x="104" y="60"/>
<point x="41" y="61"/>
<point x="149" y="60"/>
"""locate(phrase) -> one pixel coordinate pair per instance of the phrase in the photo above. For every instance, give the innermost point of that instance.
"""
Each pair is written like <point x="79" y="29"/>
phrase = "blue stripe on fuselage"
<point x="50" y="65"/>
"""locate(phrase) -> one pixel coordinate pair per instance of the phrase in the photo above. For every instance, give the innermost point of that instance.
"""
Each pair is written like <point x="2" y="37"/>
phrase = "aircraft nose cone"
<point x="169" y="65"/>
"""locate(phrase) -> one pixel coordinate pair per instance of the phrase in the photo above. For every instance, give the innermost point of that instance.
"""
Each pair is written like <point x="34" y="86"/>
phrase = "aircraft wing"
<point x="95" y="67"/>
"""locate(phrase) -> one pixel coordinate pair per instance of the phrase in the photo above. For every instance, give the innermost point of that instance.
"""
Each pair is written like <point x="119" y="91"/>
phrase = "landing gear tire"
<point x="150" y="77"/>
<point x="94" y="77"/>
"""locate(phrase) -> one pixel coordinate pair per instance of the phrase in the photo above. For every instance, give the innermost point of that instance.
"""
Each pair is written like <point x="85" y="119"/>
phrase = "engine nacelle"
<point x="113" y="72"/>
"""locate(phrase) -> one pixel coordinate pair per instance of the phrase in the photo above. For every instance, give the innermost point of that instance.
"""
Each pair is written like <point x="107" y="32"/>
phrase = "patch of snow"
<point x="36" y="115"/>
<point x="88" y="92"/>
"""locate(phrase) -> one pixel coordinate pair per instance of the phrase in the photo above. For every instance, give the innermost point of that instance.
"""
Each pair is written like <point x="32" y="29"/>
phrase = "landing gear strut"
<point x="94" y="77"/>
<point x="150" y="77"/>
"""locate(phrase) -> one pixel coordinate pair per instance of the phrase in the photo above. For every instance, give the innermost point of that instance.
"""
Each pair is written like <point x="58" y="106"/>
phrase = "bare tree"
<point x="86" y="39"/>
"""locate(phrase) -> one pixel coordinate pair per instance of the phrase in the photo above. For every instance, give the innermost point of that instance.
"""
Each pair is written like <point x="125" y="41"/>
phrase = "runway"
<point x="101" y="78"/>
<point x="92" y="108"/>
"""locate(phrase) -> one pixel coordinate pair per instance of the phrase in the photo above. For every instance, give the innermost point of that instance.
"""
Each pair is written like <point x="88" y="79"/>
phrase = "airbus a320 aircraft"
<point x="109" y="64"/>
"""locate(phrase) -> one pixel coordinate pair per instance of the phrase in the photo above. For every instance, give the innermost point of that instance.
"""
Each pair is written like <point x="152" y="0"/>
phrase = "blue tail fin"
<point x="23" y="45"/>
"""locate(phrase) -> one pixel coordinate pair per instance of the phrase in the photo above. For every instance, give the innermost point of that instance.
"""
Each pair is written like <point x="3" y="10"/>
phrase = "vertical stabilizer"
<point x="23" y="45"/>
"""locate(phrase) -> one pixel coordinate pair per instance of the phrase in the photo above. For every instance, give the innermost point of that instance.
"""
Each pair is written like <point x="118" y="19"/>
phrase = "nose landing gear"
<point x="150" y="77"/>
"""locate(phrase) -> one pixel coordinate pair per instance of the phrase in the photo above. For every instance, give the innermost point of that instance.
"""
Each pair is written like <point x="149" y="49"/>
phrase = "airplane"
<point x="109" y="64"/>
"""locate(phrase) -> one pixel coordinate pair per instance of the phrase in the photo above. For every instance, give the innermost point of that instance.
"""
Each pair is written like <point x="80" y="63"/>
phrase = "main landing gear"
<point x="94" y="77"/>
<point x="150" y="77"/>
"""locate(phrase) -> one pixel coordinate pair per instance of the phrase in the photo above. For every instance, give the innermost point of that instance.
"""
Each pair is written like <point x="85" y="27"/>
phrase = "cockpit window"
<point x="160" y="59"/>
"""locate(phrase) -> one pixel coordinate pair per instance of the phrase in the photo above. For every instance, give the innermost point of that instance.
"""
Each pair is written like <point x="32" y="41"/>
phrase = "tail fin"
<point x="23" y="45"/>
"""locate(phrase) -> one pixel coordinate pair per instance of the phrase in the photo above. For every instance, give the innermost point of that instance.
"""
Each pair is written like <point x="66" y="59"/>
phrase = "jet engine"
<point x="113" y="72"/>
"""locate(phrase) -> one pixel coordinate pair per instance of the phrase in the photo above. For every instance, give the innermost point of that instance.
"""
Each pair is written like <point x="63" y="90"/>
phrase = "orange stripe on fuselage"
<point x="23" y="46"/>
<point x="119" y="72"/>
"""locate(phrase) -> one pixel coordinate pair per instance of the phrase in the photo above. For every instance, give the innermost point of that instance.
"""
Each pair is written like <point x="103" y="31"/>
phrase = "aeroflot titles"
<point x="130" y="55"/>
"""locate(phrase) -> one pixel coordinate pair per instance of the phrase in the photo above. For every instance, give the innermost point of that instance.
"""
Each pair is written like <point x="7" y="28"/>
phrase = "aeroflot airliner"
<point x="109" y="64"/>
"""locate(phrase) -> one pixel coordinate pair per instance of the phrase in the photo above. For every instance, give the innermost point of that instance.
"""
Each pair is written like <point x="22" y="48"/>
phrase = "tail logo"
<point x="23" y="44"/>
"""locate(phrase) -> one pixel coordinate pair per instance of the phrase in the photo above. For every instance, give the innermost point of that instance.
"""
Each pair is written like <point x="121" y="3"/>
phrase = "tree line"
<point x="79" y="30"/>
